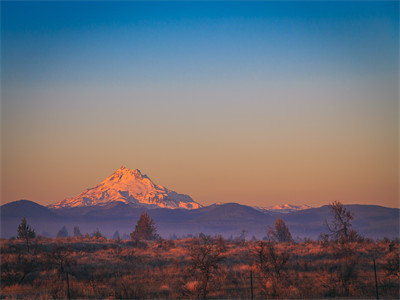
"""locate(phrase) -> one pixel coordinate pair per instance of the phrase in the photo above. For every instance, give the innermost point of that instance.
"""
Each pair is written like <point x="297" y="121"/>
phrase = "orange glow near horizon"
<point x="259" y="103"/>
<point x="250" y="157"/>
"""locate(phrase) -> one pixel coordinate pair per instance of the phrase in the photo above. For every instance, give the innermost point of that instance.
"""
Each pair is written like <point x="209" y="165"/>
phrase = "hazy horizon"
<point x="256" y="103"/>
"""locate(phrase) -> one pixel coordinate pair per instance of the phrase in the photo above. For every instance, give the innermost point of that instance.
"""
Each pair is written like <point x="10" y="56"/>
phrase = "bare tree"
<point x="26" y="264"/>
<point x="345" y="270"/>
<point x="61" y="258"/>
<point x="281" y="233"/>
<point x="25" y="232"/>
<point x="206" y="255"/>
<point x="242" y="237"/>
<point x="340" y="227"/>
<point x="392" y="265"/>
<point x="271" y="265"/>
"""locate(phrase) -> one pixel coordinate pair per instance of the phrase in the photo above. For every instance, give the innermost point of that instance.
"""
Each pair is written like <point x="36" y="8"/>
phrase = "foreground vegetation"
<point x="340" y="264"/>
<point x="202" y="267"/>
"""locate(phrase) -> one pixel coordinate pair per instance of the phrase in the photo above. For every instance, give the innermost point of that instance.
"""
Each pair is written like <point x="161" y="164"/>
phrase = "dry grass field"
<point x="204" y="267"/>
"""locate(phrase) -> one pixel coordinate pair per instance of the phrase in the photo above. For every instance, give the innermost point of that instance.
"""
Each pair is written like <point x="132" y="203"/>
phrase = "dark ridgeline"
<point x="227" y="219"/>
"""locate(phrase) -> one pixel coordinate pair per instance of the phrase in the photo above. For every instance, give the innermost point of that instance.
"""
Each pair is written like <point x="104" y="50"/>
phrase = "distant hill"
<point x="370" y="220"/>
<point x="228" y="219"/>
<point x="26" y="208"/>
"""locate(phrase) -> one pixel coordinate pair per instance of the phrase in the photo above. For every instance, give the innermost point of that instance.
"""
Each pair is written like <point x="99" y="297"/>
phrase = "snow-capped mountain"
<point x="283" y="208"/>
<point x="129" y="187"/>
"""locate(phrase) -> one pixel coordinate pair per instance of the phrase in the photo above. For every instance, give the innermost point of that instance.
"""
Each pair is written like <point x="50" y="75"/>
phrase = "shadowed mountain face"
<point x="227" y="219"/>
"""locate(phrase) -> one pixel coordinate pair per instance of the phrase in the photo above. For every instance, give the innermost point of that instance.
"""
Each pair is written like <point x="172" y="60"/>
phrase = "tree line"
<point x="339" y="229"/>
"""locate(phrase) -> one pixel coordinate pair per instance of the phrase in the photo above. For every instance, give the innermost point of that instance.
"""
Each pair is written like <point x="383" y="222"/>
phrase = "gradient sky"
<point x="249" y="102"/>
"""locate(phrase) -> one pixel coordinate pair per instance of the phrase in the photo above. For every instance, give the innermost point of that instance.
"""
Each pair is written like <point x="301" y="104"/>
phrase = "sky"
<point x="259" y="103"/>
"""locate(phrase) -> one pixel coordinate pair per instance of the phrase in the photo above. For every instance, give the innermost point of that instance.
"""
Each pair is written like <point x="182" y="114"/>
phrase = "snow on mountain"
<point x="283" y="208"/>
<point x="129" y="187"/>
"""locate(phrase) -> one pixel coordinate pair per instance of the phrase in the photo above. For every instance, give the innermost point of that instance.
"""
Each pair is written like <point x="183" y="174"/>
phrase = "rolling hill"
<point x="228" y="219"/>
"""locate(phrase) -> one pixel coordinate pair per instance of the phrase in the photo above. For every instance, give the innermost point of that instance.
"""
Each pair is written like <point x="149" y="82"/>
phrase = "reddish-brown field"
<point x="197" y="268"/>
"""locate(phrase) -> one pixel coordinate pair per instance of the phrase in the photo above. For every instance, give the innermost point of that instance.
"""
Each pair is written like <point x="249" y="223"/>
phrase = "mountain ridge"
<point x="228" y="219"/>
<point x="283" y="208"/>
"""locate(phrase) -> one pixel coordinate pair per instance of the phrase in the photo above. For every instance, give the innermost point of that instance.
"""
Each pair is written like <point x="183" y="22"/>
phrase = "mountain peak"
<point x="124" y="169"/>
<point x="137" y="172"/>
<point x="124" y="173"/>
<point x="283" y="208"/>
<point x="129" y="186"/>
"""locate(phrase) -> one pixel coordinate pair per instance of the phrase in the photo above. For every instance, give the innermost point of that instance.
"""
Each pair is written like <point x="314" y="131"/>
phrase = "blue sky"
<point x="124" y="41"/>
<point x="179" y="88"/>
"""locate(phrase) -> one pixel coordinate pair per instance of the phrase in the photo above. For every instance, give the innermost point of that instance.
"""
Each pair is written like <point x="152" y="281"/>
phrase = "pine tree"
<point x="145" y="229"/>
<point x="63" y="232"/>
<point x="25" y="232"/>
<point x="77" y="232"/>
